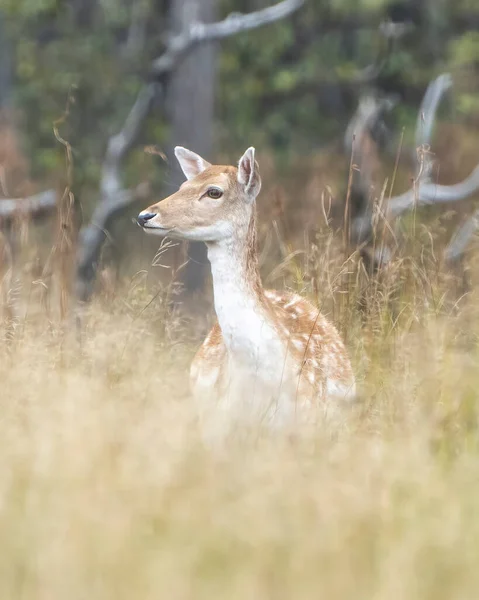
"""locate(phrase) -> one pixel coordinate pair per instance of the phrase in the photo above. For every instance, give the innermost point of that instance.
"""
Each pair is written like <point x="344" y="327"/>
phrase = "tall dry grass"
<point x="107" y="492"/>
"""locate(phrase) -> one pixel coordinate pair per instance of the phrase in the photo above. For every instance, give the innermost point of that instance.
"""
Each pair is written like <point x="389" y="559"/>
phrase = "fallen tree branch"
<point x="113" y="197"/>
<point x="460" y="240"/>
<point x="433" y="193"/>
<point x="33" y="206"/>
<point x="93" y="236"/>
<point x="423" y="192"/>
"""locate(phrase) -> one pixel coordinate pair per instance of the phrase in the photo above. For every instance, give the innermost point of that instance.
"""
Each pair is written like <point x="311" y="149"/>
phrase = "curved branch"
<point x="93" y="236"/>
<point x="179" y="45"/>
<point x="430" y="103"/>
<point x="424" y="191"/>
<point x="114" y="198"/>
<point x="432" y="193"/>
<point x="236" y="23"/>
<point x="33" y="205"/>
<point x="457" y="246"/>
<point x="120" y="144"/>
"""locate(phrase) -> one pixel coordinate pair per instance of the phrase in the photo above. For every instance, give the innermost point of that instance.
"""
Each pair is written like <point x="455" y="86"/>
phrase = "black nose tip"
<point x="144" y="217"/>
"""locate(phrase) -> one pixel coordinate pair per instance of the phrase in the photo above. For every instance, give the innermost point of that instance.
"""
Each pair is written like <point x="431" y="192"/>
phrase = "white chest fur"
<point x="258" y="384"/>
<point x="254" y="346"/>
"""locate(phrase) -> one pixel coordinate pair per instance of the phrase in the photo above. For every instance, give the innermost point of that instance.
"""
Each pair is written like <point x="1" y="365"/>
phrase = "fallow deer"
<point x="271" y="356"/>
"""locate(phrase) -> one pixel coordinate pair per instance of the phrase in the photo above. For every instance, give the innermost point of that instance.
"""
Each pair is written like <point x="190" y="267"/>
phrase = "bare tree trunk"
<point x="191" y="96"/>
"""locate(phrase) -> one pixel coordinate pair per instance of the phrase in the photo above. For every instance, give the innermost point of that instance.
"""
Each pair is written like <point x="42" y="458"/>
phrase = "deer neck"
<point x="243" y="312"/>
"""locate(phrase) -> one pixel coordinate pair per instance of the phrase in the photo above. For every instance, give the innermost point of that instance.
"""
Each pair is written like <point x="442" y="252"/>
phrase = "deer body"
<point x="271" y="358"/>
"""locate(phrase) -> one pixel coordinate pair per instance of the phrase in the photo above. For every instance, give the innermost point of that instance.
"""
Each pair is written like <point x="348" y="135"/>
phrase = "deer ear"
<point x="191" y="164"/>
<point x="248" y="173"/>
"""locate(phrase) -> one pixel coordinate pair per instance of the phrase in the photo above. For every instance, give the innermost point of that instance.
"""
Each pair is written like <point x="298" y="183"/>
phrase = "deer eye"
<point x="214" y="193"/>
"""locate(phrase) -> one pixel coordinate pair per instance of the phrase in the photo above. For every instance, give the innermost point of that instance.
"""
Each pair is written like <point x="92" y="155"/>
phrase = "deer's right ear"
<point x="191" y="164"/>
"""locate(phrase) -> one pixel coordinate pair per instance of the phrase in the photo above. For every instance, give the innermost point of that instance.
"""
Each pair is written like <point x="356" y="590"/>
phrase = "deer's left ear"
<point x="191" y="163"/>
<point x="248" y="173"/>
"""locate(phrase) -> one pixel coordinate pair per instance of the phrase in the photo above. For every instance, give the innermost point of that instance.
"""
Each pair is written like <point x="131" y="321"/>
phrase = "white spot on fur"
<point x="340" y="390"/>
<point x="298" y="344"/>
<point x="292" y="302"/>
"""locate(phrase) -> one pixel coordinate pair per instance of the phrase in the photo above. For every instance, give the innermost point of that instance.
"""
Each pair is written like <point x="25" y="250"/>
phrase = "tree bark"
<point x="190" y="105"/>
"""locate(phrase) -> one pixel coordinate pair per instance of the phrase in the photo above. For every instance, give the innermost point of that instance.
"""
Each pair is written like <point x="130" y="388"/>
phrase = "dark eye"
<point x="214" y="193"/>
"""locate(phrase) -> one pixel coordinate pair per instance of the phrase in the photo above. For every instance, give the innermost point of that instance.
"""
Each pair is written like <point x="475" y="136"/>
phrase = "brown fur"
<point x="314" y="350"/>
<point x="312" y="340"/>
<point x="180" y="211"/>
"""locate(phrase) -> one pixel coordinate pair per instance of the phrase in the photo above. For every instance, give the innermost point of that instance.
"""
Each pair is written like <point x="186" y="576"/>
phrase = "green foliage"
<point x="345" y="6"/>
<point x="84" y="62"/>
<point x="464" y="54"/>
<point x="29" y="8"/>
<point x="465" y="50"/>
<point x="288" y="86"/>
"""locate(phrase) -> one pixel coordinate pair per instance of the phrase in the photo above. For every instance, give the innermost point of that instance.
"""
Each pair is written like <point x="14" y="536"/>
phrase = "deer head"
<point x="211" y="205"/>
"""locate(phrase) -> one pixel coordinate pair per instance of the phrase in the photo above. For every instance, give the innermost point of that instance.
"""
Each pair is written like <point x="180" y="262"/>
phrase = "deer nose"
<point x="144" y="217"/>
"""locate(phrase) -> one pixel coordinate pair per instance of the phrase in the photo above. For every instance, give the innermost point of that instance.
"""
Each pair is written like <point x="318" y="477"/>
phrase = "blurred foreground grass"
<point x="106" y="491"/>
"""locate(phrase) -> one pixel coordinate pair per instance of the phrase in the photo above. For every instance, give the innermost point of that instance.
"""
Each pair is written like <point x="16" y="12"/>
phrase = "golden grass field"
<point x="107" y="493"/>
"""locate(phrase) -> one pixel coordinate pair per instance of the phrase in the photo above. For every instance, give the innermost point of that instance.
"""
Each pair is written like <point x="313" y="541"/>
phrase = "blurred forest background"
<point x="106" y="491"/>
<point x="289" y="88"/>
